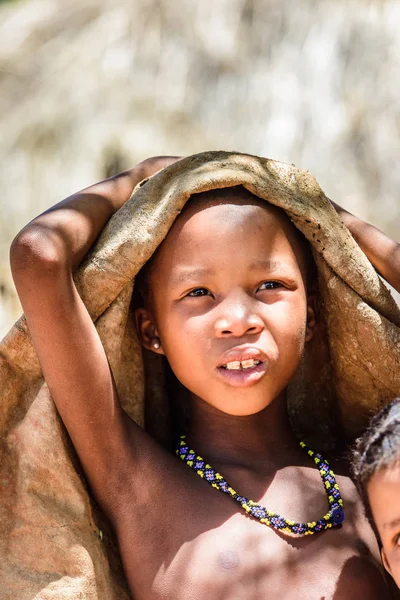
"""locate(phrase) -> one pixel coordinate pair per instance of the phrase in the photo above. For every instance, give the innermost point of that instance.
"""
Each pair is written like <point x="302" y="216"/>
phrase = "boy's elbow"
<point x="36" y="251"/>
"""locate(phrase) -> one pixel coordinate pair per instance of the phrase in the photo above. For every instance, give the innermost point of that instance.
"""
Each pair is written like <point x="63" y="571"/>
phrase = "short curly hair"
<point x="377" y="449"/>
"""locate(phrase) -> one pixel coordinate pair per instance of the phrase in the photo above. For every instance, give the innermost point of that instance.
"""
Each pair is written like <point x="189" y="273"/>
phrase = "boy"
<point x="233" y="326"/>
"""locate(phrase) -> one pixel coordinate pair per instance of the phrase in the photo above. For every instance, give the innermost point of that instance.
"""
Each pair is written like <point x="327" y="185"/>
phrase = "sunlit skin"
<point x="384" y="497"/>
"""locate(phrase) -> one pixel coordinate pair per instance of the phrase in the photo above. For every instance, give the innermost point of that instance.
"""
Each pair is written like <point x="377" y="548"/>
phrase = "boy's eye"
<point x="270" y="285"/>
<point x="198" y="292"/>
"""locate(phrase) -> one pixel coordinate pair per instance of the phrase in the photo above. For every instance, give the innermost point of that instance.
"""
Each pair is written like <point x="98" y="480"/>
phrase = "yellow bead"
<point x="190" y="463"/>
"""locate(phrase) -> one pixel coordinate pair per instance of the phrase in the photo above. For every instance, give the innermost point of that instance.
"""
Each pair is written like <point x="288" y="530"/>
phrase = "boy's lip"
<point x="243" y="377"/>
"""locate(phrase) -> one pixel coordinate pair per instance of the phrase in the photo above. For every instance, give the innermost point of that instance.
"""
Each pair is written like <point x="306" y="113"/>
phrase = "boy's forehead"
<point x="228" y="206"/>
<point x="208" y="215"/>
<point x="214" y="212"/>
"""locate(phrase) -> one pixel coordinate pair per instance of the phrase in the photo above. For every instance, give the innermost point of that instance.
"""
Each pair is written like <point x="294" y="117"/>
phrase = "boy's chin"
<point x="242" y="409"/>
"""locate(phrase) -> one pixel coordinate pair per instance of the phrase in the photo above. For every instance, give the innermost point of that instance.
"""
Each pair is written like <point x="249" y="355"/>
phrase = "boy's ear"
<point x="147" y="331"/>
<point x="312" y="316"/>
<point x="385" y="561"/>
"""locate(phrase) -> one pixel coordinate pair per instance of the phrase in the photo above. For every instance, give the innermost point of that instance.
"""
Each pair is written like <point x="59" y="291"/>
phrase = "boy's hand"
<point x="382" y="251"/>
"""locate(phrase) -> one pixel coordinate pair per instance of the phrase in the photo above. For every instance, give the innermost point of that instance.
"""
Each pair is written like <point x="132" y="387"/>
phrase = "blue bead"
<point x="209" y="475"/>
<point x="241" y="499"/>
<point x="337" y="515"/>
<point x="301" y="529"/>
<point x="259" y="512"/>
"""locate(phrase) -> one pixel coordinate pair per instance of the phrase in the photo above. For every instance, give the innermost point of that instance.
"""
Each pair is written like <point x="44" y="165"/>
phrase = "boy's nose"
<point x="238" y="318"/>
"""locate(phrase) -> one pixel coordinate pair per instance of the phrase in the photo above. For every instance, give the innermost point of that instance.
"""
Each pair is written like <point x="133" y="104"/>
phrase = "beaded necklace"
<point x="333" y="518"/>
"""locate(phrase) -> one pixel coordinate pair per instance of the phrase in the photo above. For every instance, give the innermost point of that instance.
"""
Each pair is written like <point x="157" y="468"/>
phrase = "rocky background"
<point x="88" y="88"/>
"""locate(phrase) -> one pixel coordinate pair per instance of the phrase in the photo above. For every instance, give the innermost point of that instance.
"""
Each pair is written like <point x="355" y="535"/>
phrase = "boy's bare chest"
<point x="201" y="545"/>
<point x="243" y="560"/>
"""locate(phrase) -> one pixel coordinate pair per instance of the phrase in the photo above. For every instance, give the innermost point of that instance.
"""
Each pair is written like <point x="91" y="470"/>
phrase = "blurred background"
<point x="90" y="87"/>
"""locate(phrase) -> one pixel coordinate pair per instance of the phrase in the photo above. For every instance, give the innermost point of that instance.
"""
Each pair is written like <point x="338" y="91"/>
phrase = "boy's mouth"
<point x="242" y="367"/>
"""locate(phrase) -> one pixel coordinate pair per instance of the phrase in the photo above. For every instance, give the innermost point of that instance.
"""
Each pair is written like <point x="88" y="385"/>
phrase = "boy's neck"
<point x="259" y="441"/>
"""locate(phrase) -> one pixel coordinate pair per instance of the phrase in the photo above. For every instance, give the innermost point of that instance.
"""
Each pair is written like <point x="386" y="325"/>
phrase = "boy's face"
<point x="384" y="498"/>
<point x="228" y="303"/>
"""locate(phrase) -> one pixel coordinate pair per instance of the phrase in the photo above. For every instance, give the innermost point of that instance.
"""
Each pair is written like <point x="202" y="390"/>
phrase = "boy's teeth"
<point x="244" y="364"/>
<point x="233" y="365"/>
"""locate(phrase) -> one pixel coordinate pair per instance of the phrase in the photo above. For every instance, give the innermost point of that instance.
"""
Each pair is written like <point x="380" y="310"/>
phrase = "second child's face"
<point x="229" y="304"/>
<point x="384" y="498"/>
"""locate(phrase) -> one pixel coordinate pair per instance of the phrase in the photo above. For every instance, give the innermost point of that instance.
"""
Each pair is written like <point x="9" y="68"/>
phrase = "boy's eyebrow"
<point x="188" y="273"/>
<point x="266" y="264"/>
<point x="391" y="524"/>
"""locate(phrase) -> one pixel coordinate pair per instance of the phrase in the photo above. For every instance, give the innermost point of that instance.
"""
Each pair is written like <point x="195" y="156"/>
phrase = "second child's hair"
<point x="377" y="449"/>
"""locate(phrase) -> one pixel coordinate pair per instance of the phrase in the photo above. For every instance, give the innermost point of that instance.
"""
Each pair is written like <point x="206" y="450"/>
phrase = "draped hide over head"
<point x="54" y="542"/>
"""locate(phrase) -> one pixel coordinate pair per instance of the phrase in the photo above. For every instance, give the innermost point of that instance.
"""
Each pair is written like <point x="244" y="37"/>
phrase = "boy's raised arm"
<point x="382" y="251"/>
<point x="43" y="256"/>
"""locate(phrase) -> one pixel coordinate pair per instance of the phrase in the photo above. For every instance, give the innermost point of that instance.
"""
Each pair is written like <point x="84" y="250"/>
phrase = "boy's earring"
<point x="156" y="344"/>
